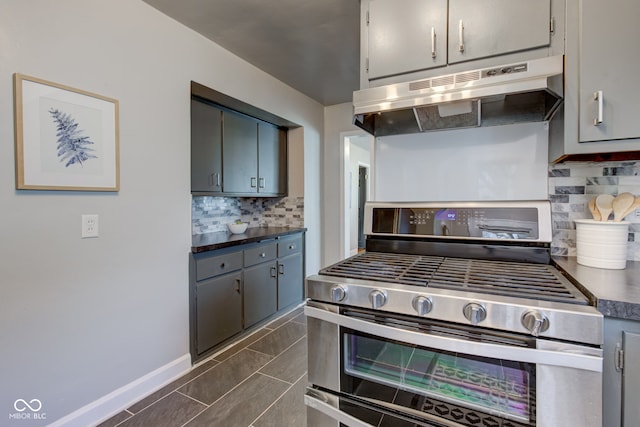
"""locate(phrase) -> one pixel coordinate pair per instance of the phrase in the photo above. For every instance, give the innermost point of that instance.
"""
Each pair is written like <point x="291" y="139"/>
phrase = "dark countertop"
<point x="224" y="239"/>
<point x="617" y="292"/>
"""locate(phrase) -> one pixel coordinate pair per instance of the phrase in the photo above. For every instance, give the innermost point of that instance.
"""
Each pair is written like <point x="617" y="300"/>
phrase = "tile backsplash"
<point x="210" y="214"/>
<point x="573" y="184"/>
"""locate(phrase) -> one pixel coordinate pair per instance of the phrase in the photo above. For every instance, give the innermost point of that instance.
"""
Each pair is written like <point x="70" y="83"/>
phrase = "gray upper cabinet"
<point x="254" y="157"/>
<point x="406" y="36"/>
<point x="234" y="154"/>
<point x="240" y="153"/>
<point x="609" y="63"/>
<point x="272" y="159"/>
<point x="479" y="29"/>
<point x="600" y="112"/>
<point x="206" y="147"/>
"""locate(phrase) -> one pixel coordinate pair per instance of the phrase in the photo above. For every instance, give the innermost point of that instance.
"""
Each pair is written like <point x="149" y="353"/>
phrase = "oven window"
<point x="459" y="384"/>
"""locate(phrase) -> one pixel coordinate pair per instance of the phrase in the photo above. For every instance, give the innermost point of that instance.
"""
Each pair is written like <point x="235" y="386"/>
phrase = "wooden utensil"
<point x="604" y="203"/>
<point x="635" y="205"/>
<point x="621" y="203"/>
<point x="594" y="210"/>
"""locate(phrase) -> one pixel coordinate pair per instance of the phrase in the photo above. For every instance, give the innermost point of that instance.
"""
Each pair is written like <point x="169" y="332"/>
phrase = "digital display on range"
<point x="446" y="215"/>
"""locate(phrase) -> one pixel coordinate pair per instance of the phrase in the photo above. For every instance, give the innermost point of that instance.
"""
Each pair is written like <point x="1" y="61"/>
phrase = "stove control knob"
<point x="474" y="312"/>
<point x="422" y="305"/>
<point x="377" y="298"/>
<point x="338" y="293"/>
<point x="535" y="322"/>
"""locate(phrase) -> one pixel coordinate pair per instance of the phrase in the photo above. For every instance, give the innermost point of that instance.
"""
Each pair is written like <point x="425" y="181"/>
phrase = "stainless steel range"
<point x="454" y="316"/>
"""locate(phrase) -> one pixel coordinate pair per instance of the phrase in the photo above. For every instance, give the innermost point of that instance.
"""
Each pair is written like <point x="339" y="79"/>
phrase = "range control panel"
<point x="432" y="220"/>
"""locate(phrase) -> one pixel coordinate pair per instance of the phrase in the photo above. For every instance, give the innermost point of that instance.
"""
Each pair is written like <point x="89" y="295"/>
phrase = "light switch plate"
<point x="89" y="226"/>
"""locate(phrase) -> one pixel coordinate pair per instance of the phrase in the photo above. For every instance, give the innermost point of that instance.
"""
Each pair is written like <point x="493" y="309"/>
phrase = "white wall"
<point x="494" y="163"/>
<point x="80" y="318"/>
<point x="338" y="122"/>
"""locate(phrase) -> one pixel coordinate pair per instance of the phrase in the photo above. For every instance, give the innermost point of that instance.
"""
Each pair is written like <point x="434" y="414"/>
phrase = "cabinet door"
<point x="206" y="148"/>
<point x="609" y="62"/>
<point x="631" y="379"/>
<point x="479" y="29"/>
<point x="272" y="159"/>
<point x="219" y="310"/>
<point x="260" y="288"/>
<point x="290" y="280"/>
<point x="406" y="36"/>
<point x="239" y="154"/>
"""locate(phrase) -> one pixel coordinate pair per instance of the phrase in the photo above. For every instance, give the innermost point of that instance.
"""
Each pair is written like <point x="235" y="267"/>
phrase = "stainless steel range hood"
<point x="527" y="91"/>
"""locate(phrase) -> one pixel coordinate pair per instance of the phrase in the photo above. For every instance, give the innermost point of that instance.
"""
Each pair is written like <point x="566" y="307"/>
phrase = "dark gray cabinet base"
<point x="234" y="289"/>
<point x="219" y="309"/>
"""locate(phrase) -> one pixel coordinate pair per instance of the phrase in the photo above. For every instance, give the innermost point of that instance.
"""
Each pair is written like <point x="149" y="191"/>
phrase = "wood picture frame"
<point x="65" y="138"/>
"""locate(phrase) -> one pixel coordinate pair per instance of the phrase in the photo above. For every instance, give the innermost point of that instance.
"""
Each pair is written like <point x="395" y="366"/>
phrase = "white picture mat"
<point x="96" y="118"/>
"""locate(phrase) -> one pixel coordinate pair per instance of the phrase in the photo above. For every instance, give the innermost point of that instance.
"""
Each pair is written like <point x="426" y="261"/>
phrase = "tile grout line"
<point x="275" y="401"/>
<point x="173" y="390"/>
<point x="218" y="362"/>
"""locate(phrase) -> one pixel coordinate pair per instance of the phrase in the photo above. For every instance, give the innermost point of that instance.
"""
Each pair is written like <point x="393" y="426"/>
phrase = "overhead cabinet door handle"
<point x="599" y="97"/>
<point x="433" y="42"/>
<point x="461" y="36"/>
<point x="262" y="182"/>
<point x="253" y="182"/>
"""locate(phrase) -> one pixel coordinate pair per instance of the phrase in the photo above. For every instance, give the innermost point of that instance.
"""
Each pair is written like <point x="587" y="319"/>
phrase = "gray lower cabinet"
<point x="290" y="271"/>
<point x="621" y="373"/>
<point x="216" y="298"/>
<point x="219" y="310"/>
<point x="235" y="288"/>
<point x="260" y="283"/>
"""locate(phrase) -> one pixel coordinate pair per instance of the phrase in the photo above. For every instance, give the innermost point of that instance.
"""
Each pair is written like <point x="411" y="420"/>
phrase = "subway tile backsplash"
<point x="573" y="184"/>
<point x="211" y="214"/>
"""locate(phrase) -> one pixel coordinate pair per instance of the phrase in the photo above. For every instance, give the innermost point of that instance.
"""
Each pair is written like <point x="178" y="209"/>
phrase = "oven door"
<point x="376" y="366"/>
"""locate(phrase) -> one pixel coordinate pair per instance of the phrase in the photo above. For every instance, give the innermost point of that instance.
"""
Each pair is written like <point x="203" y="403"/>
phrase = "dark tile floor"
<point x="257" y="382"/>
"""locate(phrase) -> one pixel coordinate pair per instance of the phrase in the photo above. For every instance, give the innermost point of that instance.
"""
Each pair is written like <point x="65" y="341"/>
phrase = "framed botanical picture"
<point x="65" y="138"/>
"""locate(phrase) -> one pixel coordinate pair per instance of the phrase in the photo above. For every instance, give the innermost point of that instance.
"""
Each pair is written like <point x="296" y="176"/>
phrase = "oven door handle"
<point x="568" y="358"/>
<point x="322" y="402"/>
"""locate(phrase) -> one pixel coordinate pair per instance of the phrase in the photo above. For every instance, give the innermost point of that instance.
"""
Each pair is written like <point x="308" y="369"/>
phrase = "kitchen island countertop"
<point x="616" y="292"/>
<point x="224" y="239"/>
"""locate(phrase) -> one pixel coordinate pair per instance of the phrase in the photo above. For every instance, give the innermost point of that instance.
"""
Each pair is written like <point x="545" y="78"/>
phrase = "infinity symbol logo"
<point x="21" y="405"/>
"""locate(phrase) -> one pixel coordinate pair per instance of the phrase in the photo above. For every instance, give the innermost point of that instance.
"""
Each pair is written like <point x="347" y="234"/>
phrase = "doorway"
<point x="357" y="189"/>
<point x="363" y="186"/>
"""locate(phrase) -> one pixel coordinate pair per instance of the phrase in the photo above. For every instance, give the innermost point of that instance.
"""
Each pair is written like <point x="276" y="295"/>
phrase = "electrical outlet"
<point x="89" y="226"/>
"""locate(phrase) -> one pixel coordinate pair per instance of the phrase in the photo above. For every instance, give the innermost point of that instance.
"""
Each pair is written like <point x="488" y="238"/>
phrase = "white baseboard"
<point x="118" y="400"/>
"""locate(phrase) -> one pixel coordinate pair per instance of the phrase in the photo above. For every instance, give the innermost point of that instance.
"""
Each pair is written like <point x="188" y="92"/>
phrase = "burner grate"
<point x="513" y="279"/>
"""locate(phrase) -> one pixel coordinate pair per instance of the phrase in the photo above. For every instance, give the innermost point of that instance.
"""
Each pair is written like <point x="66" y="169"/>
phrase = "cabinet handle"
<point x="273" y="272"/>
<point x="262" y="182"/>
<point x="461" y="36"/>
<point x="292" y="247"/>
<point x="281" y="268"/>
<point x="599" y="97"/>
<point x="262" y="255"/>
<point x="238" y="285"/>
<point x="217" y="180"/>
<point x="222" y="266"/>
<point x="253" y="182"/>
<point x="433" y="42"/>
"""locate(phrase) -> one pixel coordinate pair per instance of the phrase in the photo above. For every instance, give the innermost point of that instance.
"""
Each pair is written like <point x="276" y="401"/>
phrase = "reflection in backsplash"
<point x="573" y="184"/>
<point x="211" y="214"/>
